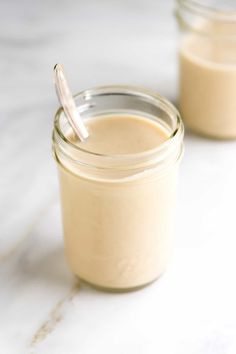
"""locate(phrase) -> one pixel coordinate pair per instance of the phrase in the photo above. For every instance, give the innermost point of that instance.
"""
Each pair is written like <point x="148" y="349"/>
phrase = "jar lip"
<point x="208" y="10"/>
<point x="135" y="90"/>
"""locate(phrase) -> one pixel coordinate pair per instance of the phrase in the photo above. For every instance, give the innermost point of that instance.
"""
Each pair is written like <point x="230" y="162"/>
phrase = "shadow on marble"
<point x="49" y="268"/>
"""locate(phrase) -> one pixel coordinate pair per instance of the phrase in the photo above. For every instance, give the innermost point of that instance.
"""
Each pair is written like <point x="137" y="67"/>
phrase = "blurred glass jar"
<point x="207" y="67"/>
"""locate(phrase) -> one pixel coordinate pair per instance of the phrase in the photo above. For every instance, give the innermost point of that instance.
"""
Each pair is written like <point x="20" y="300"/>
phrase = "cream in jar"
<point x="118" y="188"/>
<point x="207" y="69"/>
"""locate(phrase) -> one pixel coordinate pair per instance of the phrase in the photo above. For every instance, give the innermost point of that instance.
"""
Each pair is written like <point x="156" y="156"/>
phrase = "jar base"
<point x="117" y="290"/>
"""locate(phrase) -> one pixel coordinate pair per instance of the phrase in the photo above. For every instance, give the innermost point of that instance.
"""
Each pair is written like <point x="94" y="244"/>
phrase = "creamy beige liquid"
<point x="123" y="134"/>
<point x="118" y="231"/>
<point x="208" y="82"/>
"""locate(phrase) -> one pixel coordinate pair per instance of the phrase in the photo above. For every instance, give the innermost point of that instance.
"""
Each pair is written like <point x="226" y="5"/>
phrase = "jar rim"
<point x="176" y="134"/>
<point x="208" y="11"/>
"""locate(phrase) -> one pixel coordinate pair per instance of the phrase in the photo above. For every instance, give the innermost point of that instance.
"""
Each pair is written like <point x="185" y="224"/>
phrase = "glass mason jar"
<point x="118" y="210"/>
<point x="207" y="67"/>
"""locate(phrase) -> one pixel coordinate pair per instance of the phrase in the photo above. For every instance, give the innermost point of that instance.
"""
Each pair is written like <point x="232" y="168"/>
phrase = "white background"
<point x="192" y="308"/>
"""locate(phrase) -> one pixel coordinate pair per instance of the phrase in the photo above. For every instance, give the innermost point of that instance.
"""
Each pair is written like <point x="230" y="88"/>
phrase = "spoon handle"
<point x="67" y="101"/>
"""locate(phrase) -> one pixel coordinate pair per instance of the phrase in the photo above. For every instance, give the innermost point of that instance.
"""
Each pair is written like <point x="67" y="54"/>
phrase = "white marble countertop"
<point x="43" y="309"/>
